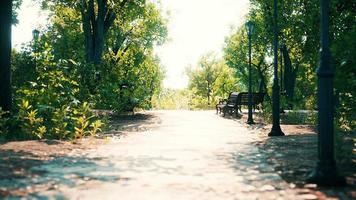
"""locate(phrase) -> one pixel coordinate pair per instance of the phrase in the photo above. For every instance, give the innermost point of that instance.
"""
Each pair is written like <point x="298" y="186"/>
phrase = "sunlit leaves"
<point x="210" y="80"/>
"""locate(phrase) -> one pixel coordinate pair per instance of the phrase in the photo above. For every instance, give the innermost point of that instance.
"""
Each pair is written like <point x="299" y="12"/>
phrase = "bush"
<point x="49" y="107"/>
<point x="3" y="123"/>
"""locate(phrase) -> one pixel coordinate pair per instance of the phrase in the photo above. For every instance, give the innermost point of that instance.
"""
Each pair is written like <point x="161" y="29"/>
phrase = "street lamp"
<point x="35" y="35"/>
<point x="249" y="28"/>
<point x="281" y="46"/>
<point x="276" y="128"/>
<point x="325" y="173"/>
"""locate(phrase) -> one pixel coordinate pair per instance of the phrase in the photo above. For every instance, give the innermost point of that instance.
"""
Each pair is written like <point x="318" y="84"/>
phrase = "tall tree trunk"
<point x="87" y="11"/>
<point x="96" y="26"/>
<point x="290" y="75"/>
<point x="99" y="31"/>
<point x="5" y="54"/>
<point x="262" y="83"/>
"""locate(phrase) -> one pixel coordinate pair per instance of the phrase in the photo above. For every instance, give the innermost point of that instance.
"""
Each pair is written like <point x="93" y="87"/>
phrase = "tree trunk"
<point x="87" y="16"/>
<point x="290" y="75"/>
<point x="5" y="54"/>
<point x="96" y="26"/>
<point x="99" y="31"/>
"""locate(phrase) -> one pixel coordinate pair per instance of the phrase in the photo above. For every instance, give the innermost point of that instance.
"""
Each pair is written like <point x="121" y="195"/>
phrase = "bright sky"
<point x="30" y="17"/>
<point x="195" y="27"/>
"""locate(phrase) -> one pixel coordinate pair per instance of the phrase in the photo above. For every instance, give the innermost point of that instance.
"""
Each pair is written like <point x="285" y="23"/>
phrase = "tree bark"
<point x="96" y="26"/>
<point x="290" y="75"/>
<point x="5" y="54"/>
<point x="87" y="28"/>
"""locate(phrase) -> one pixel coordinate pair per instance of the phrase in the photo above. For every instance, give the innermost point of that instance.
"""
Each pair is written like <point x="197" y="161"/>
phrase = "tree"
<point x="97" y="18"/>
<point x="5" y="54"/>
<point x="128" y="54"/>
<point x="236" y="57"/>
<point x="210" y="79"/>
<point x="299" y="42"/>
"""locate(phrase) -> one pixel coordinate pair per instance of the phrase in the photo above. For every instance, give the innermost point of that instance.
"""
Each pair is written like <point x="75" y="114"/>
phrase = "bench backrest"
<point x="232" y="98"/>
<point x="257" y="98"/>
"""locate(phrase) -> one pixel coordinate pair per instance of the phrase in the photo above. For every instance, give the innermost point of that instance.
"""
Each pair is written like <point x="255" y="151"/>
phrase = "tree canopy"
<point x="92" y="55"/>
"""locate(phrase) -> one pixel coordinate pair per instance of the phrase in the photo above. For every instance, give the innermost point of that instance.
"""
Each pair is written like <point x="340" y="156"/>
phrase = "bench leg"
<point x="238" y="108"/>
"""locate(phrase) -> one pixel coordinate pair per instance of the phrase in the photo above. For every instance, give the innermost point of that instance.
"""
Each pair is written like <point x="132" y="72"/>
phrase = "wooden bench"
<point x="223" y="105"/>
<point x="242" y="100"/>
<point x="236" y="100"/>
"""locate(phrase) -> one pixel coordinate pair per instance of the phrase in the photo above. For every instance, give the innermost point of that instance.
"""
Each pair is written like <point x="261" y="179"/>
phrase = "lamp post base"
<point x="250" y="121"/>
<point x="276" y="131"/>
<point x="326" y="175"/>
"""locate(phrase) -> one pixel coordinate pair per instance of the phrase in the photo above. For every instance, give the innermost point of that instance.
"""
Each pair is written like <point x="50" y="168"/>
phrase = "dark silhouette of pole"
<point x="281" y="70"/>
<point x="35" y="35"/>
<point x="5" y="54"/>
<point x="276" y="128"/>
<point x="325" y="173"/>
<point x="281" y="75"/>
<point x="249" y="27"/>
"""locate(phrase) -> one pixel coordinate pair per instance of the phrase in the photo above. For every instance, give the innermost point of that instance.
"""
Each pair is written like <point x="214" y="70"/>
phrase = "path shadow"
<point x="27" y="175"/>
<point x="241" y="117"/>
<point x="295" y="156"/>
<point x="139" y="122"/>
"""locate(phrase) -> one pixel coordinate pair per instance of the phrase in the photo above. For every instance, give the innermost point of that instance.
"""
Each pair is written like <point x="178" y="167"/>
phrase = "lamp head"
<point x="249" y="28"/>
<point x="35" y="34"/>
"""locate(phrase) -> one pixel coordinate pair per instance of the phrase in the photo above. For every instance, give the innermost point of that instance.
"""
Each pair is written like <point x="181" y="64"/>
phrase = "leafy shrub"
<point x="171" y="99"/>
<point x="3" y="123"/>
<point x="30" y="123"/>
<point x="295" y="117"/>
<point x="266" y="113"/>
<point x="49" y="107"/>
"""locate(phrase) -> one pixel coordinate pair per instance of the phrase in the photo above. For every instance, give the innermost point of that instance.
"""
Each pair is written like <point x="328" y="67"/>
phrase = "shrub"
<point x="3" y="123"/>
<point x="49" y="107"/>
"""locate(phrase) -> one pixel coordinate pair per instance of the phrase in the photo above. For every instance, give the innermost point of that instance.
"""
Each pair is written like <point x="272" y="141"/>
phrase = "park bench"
<point x="236" y="100"/>
<point x="224" y="104"/>
<point x="242" y="100"/>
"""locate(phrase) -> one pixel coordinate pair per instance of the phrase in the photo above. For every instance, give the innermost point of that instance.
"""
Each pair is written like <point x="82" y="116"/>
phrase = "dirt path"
<point x="178" y="155"/>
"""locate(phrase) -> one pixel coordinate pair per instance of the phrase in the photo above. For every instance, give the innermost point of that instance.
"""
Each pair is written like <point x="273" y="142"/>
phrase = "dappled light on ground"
<point x="170" y="154"/>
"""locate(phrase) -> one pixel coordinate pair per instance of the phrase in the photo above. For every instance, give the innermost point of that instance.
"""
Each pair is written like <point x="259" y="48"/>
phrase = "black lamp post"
<point x="35" y="35"/>
<point x="325" y="172"/>
<point x="249" y="28"/>
<point x="281" y="46"/>
<point x="276" y="128"/>
<point x="281" y="64"/>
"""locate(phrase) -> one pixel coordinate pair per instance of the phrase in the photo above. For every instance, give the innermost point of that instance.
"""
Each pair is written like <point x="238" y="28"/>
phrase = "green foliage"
<point x="54" y="82"/>
<point x="344" y="48"/>
<point x="96" y="127"/>
<point x="198" y="102"/>
<point x="298" y="23"/>
<point x="3" y="123"/>
<point x="266" y="113"/>
<point x="15" y="7"/>
<point x="30" y="123"/>
<point x="129" y="74"/>
<point x="48" y="107"/>
<point x="297" y="117"/>
<point x="210" y="81"/>
<point x="170" y="99"/>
